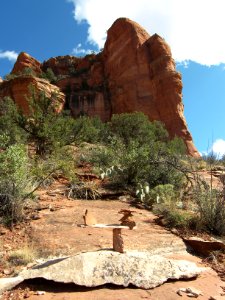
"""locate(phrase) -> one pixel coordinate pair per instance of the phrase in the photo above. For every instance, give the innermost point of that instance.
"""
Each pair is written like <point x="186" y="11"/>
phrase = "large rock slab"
<point x="97" y="268"/>
<point x="204" y="247"/>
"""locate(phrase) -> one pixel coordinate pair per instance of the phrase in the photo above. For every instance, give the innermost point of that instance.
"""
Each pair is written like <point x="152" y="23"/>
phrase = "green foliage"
<point x="140" y="152"/>
<point x="14" y="182"/>
<point x="60" y="162"/>
<point x="42" y="126"/>
<point x="10" y="76"/>
<point x="10" y="133"/>
<point x="25" y="72"/>
<point x="176" y="218"/>
<point x="211" y="206"/>
<point x="89" y="130"/>
<point x="136" y="126"/>
<point x="49" y="75"/>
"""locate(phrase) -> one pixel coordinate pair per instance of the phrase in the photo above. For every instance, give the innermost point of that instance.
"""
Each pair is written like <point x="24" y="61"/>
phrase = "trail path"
<point x="57" y="232"/>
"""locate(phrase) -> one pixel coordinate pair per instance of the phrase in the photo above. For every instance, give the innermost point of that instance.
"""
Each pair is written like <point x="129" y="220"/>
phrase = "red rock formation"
<point x="135" y="72"/>
<point x="25" y="61"/>
<point x="19" y="90"/>
<point x="142" y="77"/>
<point x="83" y="82"/>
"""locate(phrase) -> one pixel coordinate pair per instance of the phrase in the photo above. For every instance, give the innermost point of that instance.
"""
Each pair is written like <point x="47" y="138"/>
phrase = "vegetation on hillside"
<point x="129" y="153"/>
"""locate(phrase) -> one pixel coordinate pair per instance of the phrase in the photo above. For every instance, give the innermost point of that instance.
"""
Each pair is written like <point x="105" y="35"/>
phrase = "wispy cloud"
<point x="79" y="51"/>
<point x="194" y="29"/>
<point x="10" y="55"/>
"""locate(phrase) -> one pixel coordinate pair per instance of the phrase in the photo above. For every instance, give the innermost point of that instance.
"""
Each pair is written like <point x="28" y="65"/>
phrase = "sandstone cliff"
<point x="134" y="72"/>
<point x="25" y="61"/>
<point x="142" y="77"/>
<point x="20" y="88"/>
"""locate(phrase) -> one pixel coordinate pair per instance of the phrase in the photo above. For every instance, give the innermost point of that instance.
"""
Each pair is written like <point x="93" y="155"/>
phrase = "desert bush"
<point x="49" y="75"/>
<point x="176" y="218"/>
<point x="211" y="207"/>
<point x="14" y="183"/>
<point x="89" y="130"/>
<point x="42" y="126"/>
<point x="60" y="162"/>
<point x="136" y="126"/>
<point x="10" y="132"/>
<point x="140" y="152"/>
<point x="83" y="190"/>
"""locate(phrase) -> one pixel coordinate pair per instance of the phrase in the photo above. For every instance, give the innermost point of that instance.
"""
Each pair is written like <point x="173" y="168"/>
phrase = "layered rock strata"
<point x="134" y="72"/>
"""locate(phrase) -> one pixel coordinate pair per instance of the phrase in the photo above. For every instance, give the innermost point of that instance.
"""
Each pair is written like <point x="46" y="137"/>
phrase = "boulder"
<point x="93" y="269"/>
<point x="204" y="247"/>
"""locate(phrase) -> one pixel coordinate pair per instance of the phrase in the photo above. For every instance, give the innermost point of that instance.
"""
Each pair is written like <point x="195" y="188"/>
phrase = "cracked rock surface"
<point x="97" y="268"/>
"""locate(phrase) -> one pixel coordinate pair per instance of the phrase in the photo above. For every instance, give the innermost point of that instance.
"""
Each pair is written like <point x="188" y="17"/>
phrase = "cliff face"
<point x="142" y="77"/>
<point x="83" y="82"/>
<point x="134" y="72"/>
<point x="19" y="89"/>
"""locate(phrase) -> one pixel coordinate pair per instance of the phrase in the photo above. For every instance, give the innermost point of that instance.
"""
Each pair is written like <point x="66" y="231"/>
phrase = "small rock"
<point x="3" y="231"/>
<point x="30" y="265"/>
<point x="40" y="293"/>
<point x="26" y="295"/>
<point x="194" y="292"/>
<point x="7" y="272"/>
<point x="35" y="217"/>
<point x="174" y="231"/>
<point x="7" y="247"/>
<point x="190" y="292"/>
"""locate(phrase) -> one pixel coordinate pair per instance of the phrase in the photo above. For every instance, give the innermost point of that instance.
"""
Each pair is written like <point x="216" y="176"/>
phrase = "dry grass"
<point x="23" y="256"/>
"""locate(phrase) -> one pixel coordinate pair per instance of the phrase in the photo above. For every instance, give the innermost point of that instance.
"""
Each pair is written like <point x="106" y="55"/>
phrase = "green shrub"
<point x="89" y="130"/>
<point x="49" y="75"/>
<point x="140" y="152"/>
<point x="43" y="126"/>
<point x="14" y="183"/>
<point x="211" y="206"/>
<point x="10" y="132"/>
<point x="136" y="126"/>
<point x="176" y="218"/>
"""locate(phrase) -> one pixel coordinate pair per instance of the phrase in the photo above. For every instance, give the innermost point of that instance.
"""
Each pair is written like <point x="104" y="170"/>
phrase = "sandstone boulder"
<point x="93" y="269"/>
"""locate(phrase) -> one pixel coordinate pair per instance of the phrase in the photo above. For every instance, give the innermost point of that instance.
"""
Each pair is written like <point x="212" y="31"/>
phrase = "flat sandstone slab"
<point x="97" y="268"/>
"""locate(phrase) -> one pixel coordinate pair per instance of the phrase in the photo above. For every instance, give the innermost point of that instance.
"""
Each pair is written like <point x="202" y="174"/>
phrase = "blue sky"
<point x="193" y="29"/>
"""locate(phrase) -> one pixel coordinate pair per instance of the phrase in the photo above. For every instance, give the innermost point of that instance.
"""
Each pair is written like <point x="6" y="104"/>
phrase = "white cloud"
<point x="10" y="55"/>
<point x="218" y="148"/>
<point x="193" y="28"/>
<point x="79" y="51"/>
